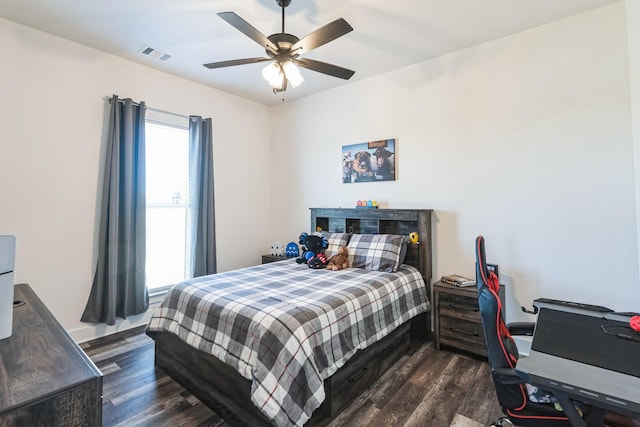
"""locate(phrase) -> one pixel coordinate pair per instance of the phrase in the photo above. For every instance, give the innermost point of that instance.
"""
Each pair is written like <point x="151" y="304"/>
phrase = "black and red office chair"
<point x="503" y="355"/>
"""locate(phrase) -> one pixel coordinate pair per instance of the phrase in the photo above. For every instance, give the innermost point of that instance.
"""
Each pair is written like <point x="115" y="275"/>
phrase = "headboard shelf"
<point x="382" y="221"/>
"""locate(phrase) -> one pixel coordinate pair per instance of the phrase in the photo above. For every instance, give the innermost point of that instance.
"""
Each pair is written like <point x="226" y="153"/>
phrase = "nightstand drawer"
<point x="459" y="306"/>
<point x="463" y="302"/>
<point x="460" y="329"/>
<point x="462" y="334"/>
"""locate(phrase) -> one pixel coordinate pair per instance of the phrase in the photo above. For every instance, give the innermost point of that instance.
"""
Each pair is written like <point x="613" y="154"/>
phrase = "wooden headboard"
<point x="383" y="221"/>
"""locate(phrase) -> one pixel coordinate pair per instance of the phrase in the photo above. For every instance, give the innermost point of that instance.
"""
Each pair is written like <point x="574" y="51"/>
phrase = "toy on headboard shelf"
<point x="371" y="204"/>
<point x="413" y="237"/>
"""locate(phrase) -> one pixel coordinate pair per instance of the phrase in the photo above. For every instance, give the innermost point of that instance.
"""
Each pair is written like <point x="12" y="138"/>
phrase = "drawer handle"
<point x="396" y="345"/>
<point x="462" y="307"/>
<point x="360" y="375"/>
<point x="473" y="334"/>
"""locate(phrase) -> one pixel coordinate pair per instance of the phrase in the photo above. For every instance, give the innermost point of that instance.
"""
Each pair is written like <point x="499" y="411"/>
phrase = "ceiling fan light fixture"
<point x="293" y="73"/>
<point x="274" y="75"/>
<point x="284" y="50"/>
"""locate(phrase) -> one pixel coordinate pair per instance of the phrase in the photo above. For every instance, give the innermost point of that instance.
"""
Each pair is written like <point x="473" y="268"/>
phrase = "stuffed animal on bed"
<point x="312" y="247"/>
<point x="317" y="261"/>
<point x="340" y="260"/>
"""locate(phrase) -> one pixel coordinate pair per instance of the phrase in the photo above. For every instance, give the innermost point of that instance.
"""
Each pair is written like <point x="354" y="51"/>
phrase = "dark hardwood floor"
<point x="424" y="388"/>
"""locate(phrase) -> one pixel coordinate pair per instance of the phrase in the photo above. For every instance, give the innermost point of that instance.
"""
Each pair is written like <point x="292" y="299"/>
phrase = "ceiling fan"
<point x="285" y="51"/>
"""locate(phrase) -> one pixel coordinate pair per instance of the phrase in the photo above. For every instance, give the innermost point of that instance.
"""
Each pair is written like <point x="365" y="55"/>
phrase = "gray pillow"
<point x="380" y="252"/>
<point x="335" y="241"/>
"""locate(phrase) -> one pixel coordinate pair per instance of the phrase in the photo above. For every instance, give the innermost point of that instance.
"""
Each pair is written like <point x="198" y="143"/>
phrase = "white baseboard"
<point x="98" y="330"/>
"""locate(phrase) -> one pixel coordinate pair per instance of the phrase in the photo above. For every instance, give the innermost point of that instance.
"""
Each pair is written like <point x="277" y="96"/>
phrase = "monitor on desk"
<point x="596" y="341"/>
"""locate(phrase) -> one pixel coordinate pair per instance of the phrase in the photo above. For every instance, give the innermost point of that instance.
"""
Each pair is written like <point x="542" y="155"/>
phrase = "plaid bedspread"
<point x="287" y="327"/>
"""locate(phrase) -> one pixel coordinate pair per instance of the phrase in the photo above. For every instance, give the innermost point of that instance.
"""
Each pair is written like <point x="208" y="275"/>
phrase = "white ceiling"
<point x="387" y="34"/>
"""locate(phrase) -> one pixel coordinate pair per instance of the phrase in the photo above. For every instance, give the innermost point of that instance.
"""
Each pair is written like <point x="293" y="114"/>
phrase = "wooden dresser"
<point x="457" y="320"/>
<point x="45" y="377"/>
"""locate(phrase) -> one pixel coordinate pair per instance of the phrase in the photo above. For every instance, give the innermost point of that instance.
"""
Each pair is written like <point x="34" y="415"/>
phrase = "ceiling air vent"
<point x="154" y="53"/>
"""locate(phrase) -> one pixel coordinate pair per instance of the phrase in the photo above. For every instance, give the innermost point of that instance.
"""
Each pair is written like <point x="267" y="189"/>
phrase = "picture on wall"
<point x="369" y="161"/>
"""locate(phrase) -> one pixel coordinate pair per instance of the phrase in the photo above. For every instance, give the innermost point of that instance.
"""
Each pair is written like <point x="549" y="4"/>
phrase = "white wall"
<point x="50" y="158"/>
<point x="526" y="140"/>
<point x="633" y="37"/>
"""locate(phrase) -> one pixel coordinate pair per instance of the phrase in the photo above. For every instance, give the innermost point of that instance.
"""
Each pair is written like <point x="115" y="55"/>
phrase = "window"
<point x="168" y="205"/>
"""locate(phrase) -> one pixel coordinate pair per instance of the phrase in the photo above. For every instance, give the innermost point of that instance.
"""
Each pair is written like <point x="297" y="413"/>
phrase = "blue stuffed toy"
<point x="292" y="250"/>
<point x="313" y="247"/>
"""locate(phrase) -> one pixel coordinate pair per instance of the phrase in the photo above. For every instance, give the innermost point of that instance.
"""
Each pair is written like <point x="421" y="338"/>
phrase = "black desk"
<point x="596" y="386"/>
<point x="573" y="357"/>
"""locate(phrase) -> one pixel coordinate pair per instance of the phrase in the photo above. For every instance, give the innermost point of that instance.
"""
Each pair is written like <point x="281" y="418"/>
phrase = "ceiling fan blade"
<point x="324" y="68"/>
<point x="322" y="35"/>
<point x="248" y="30"/>
<point x="233" y="62"/>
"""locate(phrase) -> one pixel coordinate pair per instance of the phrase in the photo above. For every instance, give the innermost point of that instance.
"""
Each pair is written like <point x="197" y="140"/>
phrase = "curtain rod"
<point x="109" y="98"/>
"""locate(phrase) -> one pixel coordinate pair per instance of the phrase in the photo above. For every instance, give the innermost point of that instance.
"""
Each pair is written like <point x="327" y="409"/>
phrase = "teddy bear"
<point x="340" y="260"/>
<point x="313" y="247"/>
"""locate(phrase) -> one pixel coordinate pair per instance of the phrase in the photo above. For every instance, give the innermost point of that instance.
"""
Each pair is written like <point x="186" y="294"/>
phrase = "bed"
<point x="282" y="344"/>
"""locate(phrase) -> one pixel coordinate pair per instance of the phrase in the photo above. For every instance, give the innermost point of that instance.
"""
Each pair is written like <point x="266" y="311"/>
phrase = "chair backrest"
<point x="501" y="348"/>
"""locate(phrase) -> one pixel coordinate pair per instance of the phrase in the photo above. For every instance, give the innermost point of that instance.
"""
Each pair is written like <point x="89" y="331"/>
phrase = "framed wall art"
<point x="371" y="161"/>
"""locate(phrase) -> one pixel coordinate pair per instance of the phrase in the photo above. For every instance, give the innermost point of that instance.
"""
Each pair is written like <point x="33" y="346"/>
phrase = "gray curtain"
<point x="203" y="233"/>
<point x="119" y="288"/>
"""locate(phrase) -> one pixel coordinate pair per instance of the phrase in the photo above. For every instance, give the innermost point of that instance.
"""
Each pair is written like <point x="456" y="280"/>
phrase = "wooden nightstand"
<point x="273" y="258"/>
<point x="457" y="320"/>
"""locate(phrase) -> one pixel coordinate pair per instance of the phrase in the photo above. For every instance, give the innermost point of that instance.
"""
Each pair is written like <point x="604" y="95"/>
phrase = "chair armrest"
<point x="521" y="328"/>
<point x="506" y="376"/>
